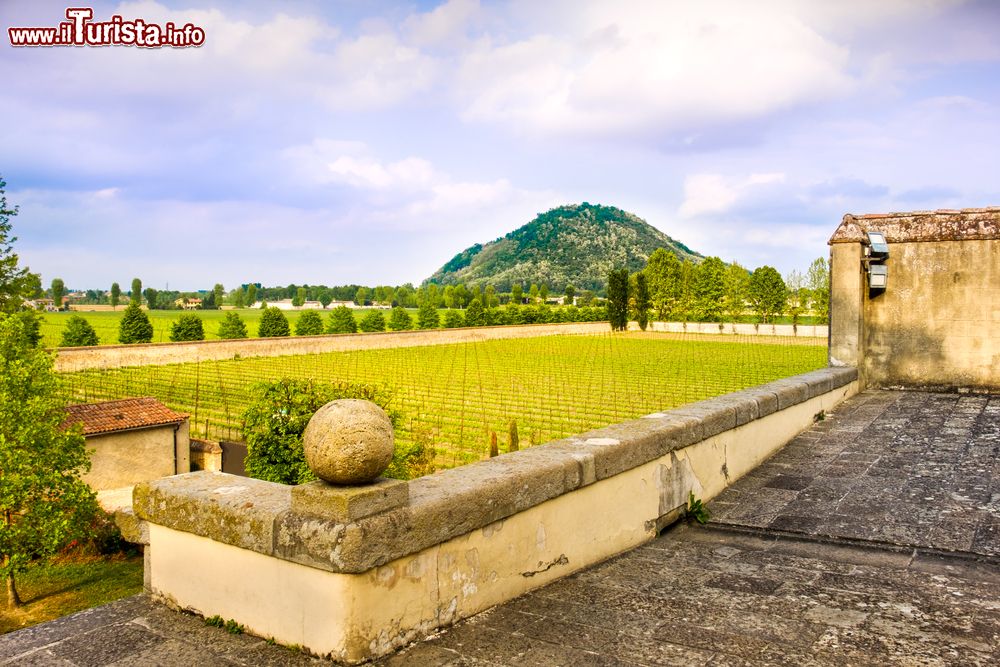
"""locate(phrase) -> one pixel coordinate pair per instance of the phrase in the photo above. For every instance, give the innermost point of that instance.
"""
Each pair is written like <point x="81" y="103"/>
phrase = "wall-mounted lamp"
<point x="876" y="253"/>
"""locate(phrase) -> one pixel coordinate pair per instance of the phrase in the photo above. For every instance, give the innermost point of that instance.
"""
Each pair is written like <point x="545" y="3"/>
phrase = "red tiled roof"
<point x="123" y="415"/>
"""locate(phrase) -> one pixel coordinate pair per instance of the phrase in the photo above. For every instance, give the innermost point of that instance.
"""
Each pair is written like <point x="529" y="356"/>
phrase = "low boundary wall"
<point x="459" y="541"/>
<point x="151" y="354"/>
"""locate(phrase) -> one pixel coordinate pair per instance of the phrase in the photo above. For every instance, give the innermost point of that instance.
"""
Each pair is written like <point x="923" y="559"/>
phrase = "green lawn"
<point x="105" y="322"/>
<point x="66" y="586"/>
<point x="453" y="396"/>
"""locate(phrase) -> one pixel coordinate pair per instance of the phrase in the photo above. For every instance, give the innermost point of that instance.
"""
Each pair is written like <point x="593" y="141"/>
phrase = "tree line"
<point x="712" y="291"/>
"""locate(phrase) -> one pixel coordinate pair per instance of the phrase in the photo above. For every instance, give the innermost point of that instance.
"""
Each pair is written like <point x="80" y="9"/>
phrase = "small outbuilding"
<point x="132" y="440"/>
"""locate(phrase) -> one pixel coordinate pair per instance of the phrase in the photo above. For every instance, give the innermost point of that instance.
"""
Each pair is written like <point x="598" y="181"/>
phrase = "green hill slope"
<point x="575" y="244"/>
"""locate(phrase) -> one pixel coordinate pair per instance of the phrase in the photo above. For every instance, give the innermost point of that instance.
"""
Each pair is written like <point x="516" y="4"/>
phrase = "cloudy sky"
<point x="364" y="141"/>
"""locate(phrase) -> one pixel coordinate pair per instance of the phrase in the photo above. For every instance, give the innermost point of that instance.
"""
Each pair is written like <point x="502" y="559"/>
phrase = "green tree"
<point x="58" y="293"/>
<point x="708" y="289"/>
<point x="361" y="296"/>
<point x="276" y="418"/>
<point x="642" y="301"/>
<point x="136" y="294"/>
<point x="543" y="292"/>
<point x="342" y="321"/>
<point x="462" y="296"/>
<point x="239" y="298"/>
<point x="78" y="333"/>
<point x="188" y="327"/>
<point x="618" y="299"/>
<point x="372" y="322"/>
<point x="273" y="324"/>
<point x="43" y="502"/>
<point x="663" y="273"/>
<point x="533" y="293"/>
<point x="220" y="292"/>
<point x="134" y="327"/>
<point x="586" y="298"/>
<point x="818" y="282"/>
<point x="796" y="296"/>
<point x="766" y="293"/>
<point x="151" y="297"/>
<point x="570" y="294"/>
<point x="492" y="300"/>
<point x="400" y="320"/>
<point x="325" y="297"/>
<point x="251" y="294"/>
<point x="309" y="324"/>
<point x="517" y="293"/>
<point x="735" y="282"/>
<point x="232" y="326"/>
<point x="474" y="315"/>
<point x="300" y="297"/>
<point x="14" y="280"/>
<point x="449" y="296"/>
<point x="116" y="295"/>
<point x="428" y="316"/>
<point x="453" y="319"/>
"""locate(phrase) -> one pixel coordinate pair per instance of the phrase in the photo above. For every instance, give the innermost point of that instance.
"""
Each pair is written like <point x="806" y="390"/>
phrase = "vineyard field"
<point x="453" y="396"/>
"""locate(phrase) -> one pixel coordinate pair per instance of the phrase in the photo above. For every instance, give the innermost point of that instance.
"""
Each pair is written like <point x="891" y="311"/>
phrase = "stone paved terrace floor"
<point x="870" y="539"/>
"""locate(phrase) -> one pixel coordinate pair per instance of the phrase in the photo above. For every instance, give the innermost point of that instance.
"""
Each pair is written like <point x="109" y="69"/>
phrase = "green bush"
<point x="309" y="324"/>
<point x="273" y="324"/>
<point x="373" y="321"/>
<point x="400" y="320"/>
<point x="274" y="422"/>
<point x="342" y="321"/>
<point x="78" y="333"/>
<point x="232" y="326"/>
<point x="428" y="317"/>
<point x="453" y="319"/>
<point x="187" y="327"/>
<point x="474" y="316"/>
<point x="134" y="326"/>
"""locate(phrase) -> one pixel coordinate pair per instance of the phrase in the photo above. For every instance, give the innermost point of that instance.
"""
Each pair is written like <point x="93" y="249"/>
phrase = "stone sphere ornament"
<point x="349" y="441"/>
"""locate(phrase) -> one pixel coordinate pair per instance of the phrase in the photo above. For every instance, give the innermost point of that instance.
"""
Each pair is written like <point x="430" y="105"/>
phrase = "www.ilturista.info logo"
<point x="80" y="30"/>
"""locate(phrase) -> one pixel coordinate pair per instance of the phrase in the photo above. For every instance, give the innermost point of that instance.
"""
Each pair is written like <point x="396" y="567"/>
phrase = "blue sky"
<point x="355" y="141"/>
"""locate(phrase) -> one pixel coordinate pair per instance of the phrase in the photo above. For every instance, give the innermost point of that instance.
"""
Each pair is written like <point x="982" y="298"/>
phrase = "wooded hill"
<point x="577" y="244"/>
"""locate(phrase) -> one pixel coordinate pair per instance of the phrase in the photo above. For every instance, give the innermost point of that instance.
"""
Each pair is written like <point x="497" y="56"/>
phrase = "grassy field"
<point x="452" y="396"/>
<point x="66" y="586"/>
<point x="105" y="322"/>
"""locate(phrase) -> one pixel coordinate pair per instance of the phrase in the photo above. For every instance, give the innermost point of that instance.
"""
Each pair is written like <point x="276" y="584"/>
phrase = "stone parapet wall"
<point x="466" y="538"/>
<point x="728" y="328"/>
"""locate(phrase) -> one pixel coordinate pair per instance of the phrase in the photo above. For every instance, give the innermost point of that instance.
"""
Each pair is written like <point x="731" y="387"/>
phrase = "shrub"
<point x="474" y="314"/>
<point x="78" y="333"/>
<point x="187" y="327"/>
<point x="274" y="422"/>
<point x="373" y="321"/>
<point x="232" y="326"/>
<point x="309" y="324"/>
<point x="134" y="326"/>
<point x="428" y="317"/>
<point x="400" y="320"/>
<point x="273" y="324"/>
<point x="342" y="321"/>
<point x="453" y="319"/>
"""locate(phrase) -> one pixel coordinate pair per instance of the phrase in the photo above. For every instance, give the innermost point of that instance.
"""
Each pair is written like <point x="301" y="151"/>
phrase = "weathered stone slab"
<point x="234" y="510"/>
<point x="345" y="504"/>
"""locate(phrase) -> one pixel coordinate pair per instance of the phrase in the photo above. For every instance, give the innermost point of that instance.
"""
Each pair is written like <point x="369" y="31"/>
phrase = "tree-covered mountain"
<point x="576" y="244"/>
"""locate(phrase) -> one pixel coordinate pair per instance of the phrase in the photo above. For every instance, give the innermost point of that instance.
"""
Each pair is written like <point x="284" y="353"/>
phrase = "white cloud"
<point x="636" y="67"/>
<point x="706" y="194"/>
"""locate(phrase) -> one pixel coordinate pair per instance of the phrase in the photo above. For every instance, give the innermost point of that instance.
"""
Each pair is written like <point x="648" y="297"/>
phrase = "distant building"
<point x="191" y="303"/>
<point x="286" y="304"/>
<point x="131" y="440"/>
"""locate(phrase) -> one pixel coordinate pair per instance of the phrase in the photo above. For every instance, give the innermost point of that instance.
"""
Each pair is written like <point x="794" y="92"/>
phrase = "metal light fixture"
<point x="876" y="253"/>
